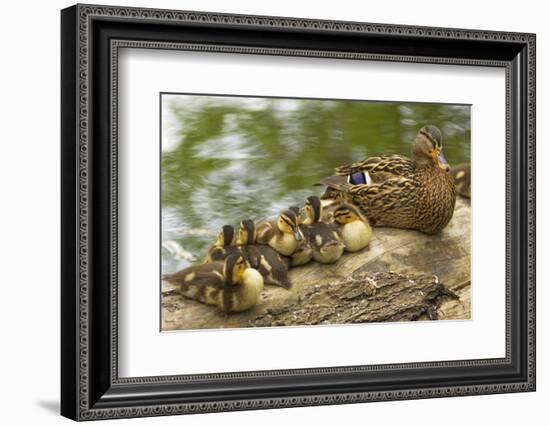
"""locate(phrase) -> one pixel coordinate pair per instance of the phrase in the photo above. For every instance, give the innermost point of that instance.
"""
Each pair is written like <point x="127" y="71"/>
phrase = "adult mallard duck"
<point x="416" y="193"/>
<point x="230" y="284"/>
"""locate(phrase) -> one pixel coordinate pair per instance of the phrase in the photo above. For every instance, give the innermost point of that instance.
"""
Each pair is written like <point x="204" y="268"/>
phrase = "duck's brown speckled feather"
<point x="403" y="194"/>
<point x="380" y="168"/>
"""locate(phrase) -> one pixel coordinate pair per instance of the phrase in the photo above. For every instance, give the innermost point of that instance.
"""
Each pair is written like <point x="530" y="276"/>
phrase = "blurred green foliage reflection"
<point x="225" y="159"/>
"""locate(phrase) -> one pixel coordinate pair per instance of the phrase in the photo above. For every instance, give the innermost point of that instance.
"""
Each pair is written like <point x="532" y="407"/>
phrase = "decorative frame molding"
<point x="91" y="37"/>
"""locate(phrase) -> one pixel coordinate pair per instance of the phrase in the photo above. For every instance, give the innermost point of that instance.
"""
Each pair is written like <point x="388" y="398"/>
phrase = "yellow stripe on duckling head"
<point x="288" y="223"/>
<point x="315" y="208"/>
<point x="346" y="213"/>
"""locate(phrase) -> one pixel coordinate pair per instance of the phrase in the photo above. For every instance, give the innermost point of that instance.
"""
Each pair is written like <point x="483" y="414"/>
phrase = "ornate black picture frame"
<point x="91" y="387"/>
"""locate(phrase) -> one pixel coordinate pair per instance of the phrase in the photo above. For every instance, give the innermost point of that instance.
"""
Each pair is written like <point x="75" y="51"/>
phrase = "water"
<point x="225" y="159"/>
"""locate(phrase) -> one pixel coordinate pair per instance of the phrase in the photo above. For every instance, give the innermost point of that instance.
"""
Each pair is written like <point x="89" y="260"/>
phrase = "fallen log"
<point x="380" y="297"/>
<point x="417" y="277"/>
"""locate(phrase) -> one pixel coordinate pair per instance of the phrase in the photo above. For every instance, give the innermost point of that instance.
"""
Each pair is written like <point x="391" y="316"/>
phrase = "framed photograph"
<point x="259" y="155"/>
<point x="263" y="212"/>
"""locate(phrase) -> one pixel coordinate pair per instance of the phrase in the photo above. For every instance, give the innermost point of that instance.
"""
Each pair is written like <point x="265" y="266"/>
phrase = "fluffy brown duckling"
<point x="303" y="253"/>
<point x="327" y="209"/>
<point x="462" y="178"/>
<point x="224" y="245"/>
<point x="352" y="226"/>
<point x="283" y="234"/>
<point x="231" y="284"/>
<point x="326" y="244"/>
<point x="263" y="258"/>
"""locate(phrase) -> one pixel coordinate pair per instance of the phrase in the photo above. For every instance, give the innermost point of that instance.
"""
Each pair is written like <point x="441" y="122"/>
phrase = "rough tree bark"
<point x="403" y="275"/>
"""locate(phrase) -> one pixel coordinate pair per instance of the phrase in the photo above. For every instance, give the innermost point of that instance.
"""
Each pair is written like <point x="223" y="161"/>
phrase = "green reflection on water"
<point x="231" y="158"/>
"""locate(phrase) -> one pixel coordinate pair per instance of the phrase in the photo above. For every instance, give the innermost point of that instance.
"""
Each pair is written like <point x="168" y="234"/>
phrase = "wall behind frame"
<point x="29" y="219"/>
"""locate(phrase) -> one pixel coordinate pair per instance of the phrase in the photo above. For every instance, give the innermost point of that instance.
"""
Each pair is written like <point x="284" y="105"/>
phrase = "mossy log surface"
<point x="402" y="275"/>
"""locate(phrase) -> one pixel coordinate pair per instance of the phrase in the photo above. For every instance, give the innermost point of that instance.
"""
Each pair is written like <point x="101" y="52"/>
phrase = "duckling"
<point x="352" y="226"/>
<point x="303" y="253"/>
<point x="283" y="235"/>
<point x="328" y="206"/>
<point x="325" y="242"/>
<point x="462" y="178"/>
<point x="223" y="246"/>
<point x="230" y="284"/>
<point x="264" y="259"/>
